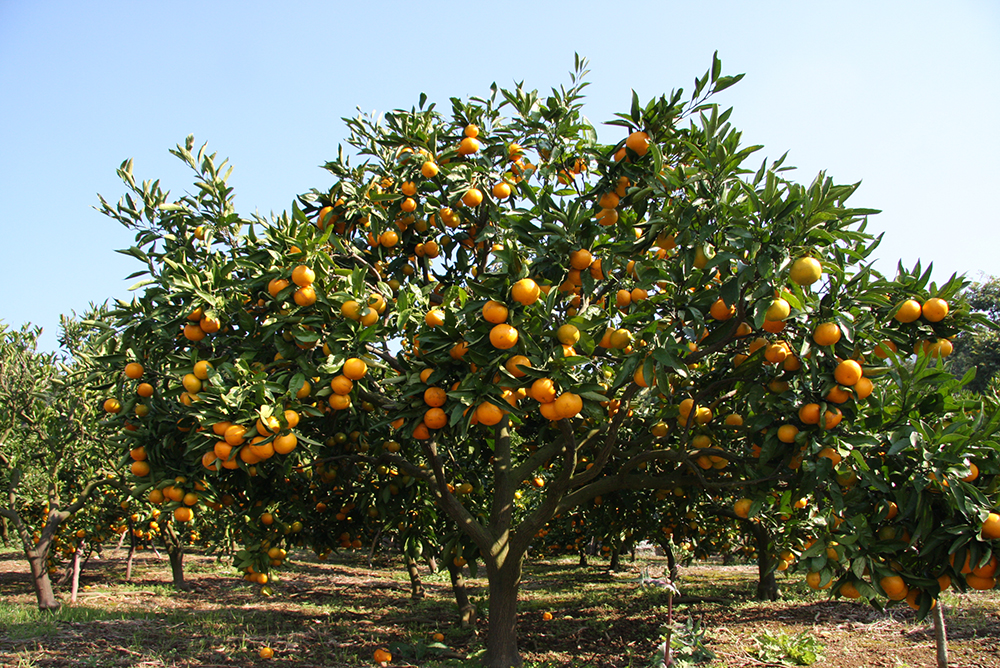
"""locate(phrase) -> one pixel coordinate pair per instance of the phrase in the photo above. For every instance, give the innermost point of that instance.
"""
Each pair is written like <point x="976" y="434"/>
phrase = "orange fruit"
<point x="502" y="190"/>
<point x="285" y="443"/>
<point x="581" y="259"/>
<point x="525" y="291"/>
<point x="429" y="169"/>
<point x="980" y="583"/>
<point x="351" y="309"/>
<point x="472" y="197"/>
<point x="144" y="390"/>
<point x="809" y="414"/>
<point x="720" y="311"/>
<point x="112" y="406"/>
<point x="894" y="587"/>
<point x="742" y="507"/>
<point x="305" y="296"/>
<point x="488" y="413"/>
<point x="234" y="434"/>
<point x="826" y="334"/>
<point x="543" y="390"/>
<point x="183" y="514"/>
<point x="266" y="652"/>
<point x="848" y="372"/>
<point x="607" y="217"/>
<point x="991" y="527"/>
<point x="495" y="312"/>
<point x="787" y="433"/>
<point x="882" y="349"/>
<point x="514" y="362"/>
<point x="863" y="388"/>
<point x="355" y="368"/>
<point x="568" y="405"/>
<point x="934" y="309"/>
<point x="303" y="276"/>
<point x="435" y="397"/>
<point x="806" y="271"/>
<point x="568" y="334"/>
<point x="909" y="311"/>
<point x="458" y="350"/>
<point x="389" y="238"/>
<point x="638" y="142"/>
<point x="140" y="468"/>
<point x="503" y="336"/>
<point x="830" y="454"/>
<point x="608" y="200"/>
<point x="468" y="146"/>
<point x="435" y="418"/>
<point x="133" y="370"/>
<point x="547" y="616"/>
<point x="848" y="590"/>
<point x="382" y="656"/>
<point x="778" y="310"/>
<point x="434" y="317"/>
<point x="814" y="578"/>
<point x="341" y="384"/>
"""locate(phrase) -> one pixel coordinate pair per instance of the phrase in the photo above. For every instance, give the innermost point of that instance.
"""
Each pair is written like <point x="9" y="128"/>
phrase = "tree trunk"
<point x="131" y="556"/>
<point x="940" y="635"/>
<point x="671" y="560"/>
<point x="40" y="581"/>
<point x="767" y="585"/>
<point x="175" y="552"/>
<point x="466" y="611"/>
<point x="432" y="564"/>
<point x="501" y="635"/>
<point x="615" y="563"/>
<point x="583" y="557"/>
<point x="77" y="567"/>
<point x="416" y="587"/>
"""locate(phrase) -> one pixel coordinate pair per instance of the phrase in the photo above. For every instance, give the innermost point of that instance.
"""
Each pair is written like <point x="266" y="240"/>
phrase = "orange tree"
<point x="533" y="318"/>
<point x="53" y="454"/>
<point x="651" y="307"/>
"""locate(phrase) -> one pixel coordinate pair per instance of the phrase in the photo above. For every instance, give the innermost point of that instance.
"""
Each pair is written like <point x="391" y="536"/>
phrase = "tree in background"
<point x="980" y="347"/>
<point x="53" y="453"/>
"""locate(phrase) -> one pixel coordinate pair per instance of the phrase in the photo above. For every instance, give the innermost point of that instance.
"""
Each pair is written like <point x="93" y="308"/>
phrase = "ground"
<point x="336" y="613"/>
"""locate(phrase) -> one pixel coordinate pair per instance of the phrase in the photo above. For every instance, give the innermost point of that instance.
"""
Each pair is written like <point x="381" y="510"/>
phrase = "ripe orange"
<point x="472" y="197"/>
<point x="882" y="349"/>
<point x="525" y="291"/>
<point x="720" y="311"/>
<point x="894" y="587"/>
<point x="435" y="397"/>
<point x="620" y="338"/>
<point x="389" y="238"/>
<point x="830" y="454"/>
<point x="568" y="334"/>
<point x="183" y="514"/>
<point x="303" y="276"/>
<point x="787" y="433"/>
<point x="608" y="200"/>
<point x="458" y="350"/>
<point x="382" y="656"/>
<point x="848" y="590"/>
<point x="266" y="652"/>
<point x="133" y="370"/>
<point x="285" y="443"/>
<point x="809" y="414"/>
<point x="827" y="334"/>
<point x="547" y="616"/>
<point x="502" y="190"/>
<point x="305" y="296"/>
<point x="503" y="336"/>
<point x="580" y="259"/>
<point x="813" y="579"/>
<point x="934" y="309"/>
<point x="495" y="312"/>
<point x="488" y="413"/>
<point x="354" y="368"/>
<point x="434" y="317"/>
<point x="429" y="169"/>
<point x="991" y="527"/>
<point x="234" y="434"/>
<point x="638" y="142"/>
<point x="514" y="362"/>
<point x="742" y="507"/>
<point x="607" y="217"/>
<point x="863" y="388"/>
<point x="341" y="384"/>
<point x="848" y="373"/>
<point x="980" y="583"/>
<point x="543" y="390"/>
<point x="435" y="418"/>
<point x="568" y="405"/>
<point x="140" y="468"/>
<point x="468" y="146"/>
<point x="909" y="311"/>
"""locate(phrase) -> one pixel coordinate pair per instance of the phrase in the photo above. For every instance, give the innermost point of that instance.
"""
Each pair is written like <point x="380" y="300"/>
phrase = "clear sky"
<point x="902" y="96"/>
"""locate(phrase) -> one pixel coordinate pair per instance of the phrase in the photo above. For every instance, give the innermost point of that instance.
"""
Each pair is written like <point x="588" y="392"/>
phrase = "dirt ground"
<point x="337" y="613"/>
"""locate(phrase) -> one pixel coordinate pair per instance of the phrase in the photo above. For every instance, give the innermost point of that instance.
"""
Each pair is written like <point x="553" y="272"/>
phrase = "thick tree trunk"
<point x="767" y="585"/>
<point x="583" y="557"/>
<point x="416" y="587"/>
<point x="940" y="635"/>
<point x="466" y="611"/>
<point x="501" y="636"/>
<point x="175" y="552"/>
<point x="40" y="581"/>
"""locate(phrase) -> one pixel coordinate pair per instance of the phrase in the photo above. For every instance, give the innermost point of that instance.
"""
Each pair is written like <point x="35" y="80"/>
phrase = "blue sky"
<point x="902" y="96"/>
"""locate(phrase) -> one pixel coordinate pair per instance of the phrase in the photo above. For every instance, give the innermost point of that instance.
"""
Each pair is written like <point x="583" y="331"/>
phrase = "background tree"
<point x="980" y="347"/>
<point x="52" y="451"/>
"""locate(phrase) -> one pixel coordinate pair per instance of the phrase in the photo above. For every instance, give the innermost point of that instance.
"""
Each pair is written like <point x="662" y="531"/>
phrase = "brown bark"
<point x="40" y="580"/>
<point x="466" y="611"/>
<point x="940" y="635"/>
<point x="77" y="567"/>
<point x="501" y="636"/>
<point x="416" y="587"/>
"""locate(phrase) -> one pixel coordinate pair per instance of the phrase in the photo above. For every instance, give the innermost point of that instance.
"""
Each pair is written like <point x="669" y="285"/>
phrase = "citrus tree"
<point x="517" y="319"/>
<point x="53" y="454"/>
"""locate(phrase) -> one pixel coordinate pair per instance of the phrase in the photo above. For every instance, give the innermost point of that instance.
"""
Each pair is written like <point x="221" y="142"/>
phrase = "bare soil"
<point x="337" y="613"/>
